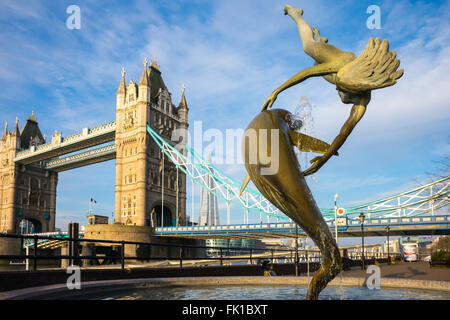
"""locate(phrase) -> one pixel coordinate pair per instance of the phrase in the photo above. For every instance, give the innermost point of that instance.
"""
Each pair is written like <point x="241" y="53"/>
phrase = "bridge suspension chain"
<point x="418" y="201"/>
<point x="200" y="171"/>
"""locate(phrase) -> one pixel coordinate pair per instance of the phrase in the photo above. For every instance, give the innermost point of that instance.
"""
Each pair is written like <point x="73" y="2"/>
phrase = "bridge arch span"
<point x="169" y="217"/>
<point x="28" y="225"/>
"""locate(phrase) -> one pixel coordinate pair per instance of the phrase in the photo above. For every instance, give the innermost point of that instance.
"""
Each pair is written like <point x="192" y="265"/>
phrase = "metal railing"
<point x="224" y="254"/>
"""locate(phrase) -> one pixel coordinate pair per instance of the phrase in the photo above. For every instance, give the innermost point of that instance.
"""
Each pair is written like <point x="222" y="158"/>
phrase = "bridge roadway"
<point x="81" y="159"/>
<point x="425" y="225"/>
<point x="59" y="145"/>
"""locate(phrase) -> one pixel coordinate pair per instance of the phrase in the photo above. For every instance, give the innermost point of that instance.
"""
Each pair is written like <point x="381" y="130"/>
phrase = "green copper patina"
<point x="355" y="78"/>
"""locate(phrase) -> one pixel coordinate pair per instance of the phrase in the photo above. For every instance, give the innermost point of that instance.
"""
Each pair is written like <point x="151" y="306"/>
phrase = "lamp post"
<point x="361" y="217"/>
<point x="389" y="245"/>
<point x="336" y="196"/>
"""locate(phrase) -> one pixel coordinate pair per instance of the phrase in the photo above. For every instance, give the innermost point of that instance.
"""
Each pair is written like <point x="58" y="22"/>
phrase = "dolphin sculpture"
<point x="354" y="78"/>
<point x="287" y="188"/>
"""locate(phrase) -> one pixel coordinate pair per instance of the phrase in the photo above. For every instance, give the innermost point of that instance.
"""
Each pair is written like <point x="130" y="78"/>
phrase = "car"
<point x="427" y="259"/>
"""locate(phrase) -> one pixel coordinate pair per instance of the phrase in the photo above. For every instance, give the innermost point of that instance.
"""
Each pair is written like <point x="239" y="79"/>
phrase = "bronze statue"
<point x="354" y="78"/>
<point x="287" y="189"/>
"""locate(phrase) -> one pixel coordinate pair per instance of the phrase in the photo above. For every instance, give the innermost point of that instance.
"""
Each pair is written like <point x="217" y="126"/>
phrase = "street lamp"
<point x="389" y="245"/>
<point x="336" y="196"/>
<point x="361" y="217"/>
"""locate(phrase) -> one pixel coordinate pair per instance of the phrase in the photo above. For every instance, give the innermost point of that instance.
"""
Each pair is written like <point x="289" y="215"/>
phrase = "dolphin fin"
<point x="308" y="144"/>
<point x="244" y="184"/>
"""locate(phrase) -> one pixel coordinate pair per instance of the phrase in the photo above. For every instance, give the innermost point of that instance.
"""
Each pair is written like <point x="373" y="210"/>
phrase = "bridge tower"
<point x="146" y="181"/>
<point x="27" y="192"/>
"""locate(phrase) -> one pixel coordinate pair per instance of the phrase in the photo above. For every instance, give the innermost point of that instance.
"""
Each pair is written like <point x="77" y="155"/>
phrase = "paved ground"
<point x="407" y="270"/>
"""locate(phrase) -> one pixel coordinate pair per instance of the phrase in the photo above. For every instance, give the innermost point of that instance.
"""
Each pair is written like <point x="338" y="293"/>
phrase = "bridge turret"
<point x="121" y="92"/>
<point x="6" y="132"/>
<point x="182" y="111"/>
<point x="183" y="107"/>
<point x="16" y="135"/>
<point x="11" y="141"/>
<point x="144" y="87"/>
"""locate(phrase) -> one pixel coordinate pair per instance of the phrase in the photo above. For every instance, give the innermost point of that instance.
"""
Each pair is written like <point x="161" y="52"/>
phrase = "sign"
<point x="341" y="221"/>
<point x="410" y="251"/>
<point x="340" y="211"/>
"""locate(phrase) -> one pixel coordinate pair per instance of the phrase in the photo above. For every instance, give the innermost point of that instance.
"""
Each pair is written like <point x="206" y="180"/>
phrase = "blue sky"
<point x="231" y="55"/>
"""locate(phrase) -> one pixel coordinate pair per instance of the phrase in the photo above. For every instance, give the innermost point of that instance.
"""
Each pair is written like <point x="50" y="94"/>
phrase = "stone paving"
<point x="407" y="270"/>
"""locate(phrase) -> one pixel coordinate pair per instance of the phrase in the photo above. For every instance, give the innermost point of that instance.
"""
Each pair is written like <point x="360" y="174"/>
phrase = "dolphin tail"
<point x="331" y="265"/>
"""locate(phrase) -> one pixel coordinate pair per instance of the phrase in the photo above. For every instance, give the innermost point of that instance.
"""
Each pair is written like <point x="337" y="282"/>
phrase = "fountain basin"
<point x="242" y="288"/>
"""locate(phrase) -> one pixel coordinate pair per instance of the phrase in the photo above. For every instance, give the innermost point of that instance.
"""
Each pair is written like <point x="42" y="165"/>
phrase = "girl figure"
<point x="353" y="76"/>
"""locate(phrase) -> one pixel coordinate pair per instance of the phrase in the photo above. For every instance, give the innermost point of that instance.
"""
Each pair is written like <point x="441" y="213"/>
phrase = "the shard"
<point x="209" y="210"/>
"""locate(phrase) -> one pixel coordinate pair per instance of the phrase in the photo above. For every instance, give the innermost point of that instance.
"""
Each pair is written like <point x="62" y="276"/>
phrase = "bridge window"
<point x="24" y="198"/>
<point x="34" y="183"/>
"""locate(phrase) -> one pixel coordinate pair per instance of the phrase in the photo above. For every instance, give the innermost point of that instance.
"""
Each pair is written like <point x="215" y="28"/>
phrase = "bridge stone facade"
<point x="27" y="192"/>
<point x="142" y="170"/>
<point x="146" y="182"/>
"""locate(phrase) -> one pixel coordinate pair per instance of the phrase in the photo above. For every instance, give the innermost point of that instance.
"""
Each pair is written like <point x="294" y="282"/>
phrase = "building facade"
<point x="27" y="192"/>
<point x="147" y="182"/>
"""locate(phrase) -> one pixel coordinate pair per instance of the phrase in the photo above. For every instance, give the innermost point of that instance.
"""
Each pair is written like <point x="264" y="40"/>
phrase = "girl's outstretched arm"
<point x="356" y="114"/>
<point x="314" y="71"/>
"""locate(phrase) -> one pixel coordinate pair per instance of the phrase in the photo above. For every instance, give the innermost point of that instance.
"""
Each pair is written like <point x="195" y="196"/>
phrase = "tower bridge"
<point x="151" y="174"/>
<point x="30" y="163"/>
